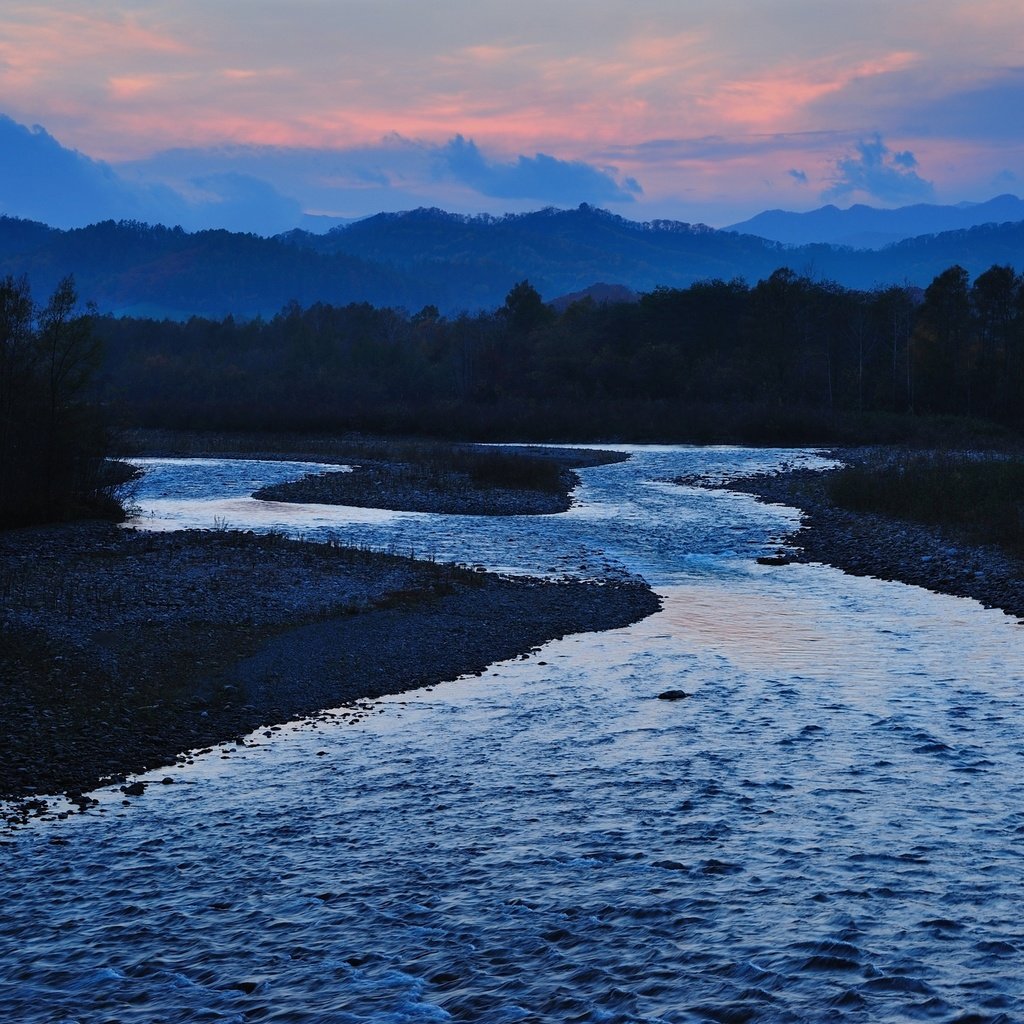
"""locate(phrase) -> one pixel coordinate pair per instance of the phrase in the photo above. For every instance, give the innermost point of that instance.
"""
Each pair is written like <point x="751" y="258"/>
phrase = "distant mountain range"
<point x="42" y="179"/>
<point x="451" y="261"/>
<point x="865" y="227"/>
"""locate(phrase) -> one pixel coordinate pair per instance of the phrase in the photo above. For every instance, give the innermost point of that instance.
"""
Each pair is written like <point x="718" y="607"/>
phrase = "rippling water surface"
<point x="830" y="828"/>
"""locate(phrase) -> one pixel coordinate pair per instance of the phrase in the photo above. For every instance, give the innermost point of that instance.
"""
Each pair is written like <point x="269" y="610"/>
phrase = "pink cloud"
<point x="537" y="78"/>
<point x="63" y="63"/>
<point x="130" y="87"/>
<point x="491" y="54"/>
<point x="32" y="39"/>
<point x="778" y="102"/>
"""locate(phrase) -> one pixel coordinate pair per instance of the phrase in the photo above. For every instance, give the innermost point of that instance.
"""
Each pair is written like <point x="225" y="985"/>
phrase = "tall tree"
<point x="17" y="361"/>
<point x="942" y="342"/>
<point x="524" y="309"/>
<point x="51" y="435"/>
<point x="996" y="357"/>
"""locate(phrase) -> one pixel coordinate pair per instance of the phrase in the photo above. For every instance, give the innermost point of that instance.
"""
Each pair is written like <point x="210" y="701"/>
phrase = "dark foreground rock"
<point x="123" y="649"/>
<point x="865" y="544"/>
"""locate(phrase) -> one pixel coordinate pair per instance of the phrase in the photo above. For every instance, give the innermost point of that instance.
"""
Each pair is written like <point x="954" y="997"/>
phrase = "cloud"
<point x="42" y="180"/>
<point x="987" y="110"/>
<point x="724" y="147"/>
<point x="544" y="92"/>
<point x="240" y="202"/>
<point x="269" y="189"/>
<point x="800" y="177"/>
<point x="940" y="102"/>
<point x="541" y="177"/>
<point x="877" y="172"/>
<point x="398" y="173"/>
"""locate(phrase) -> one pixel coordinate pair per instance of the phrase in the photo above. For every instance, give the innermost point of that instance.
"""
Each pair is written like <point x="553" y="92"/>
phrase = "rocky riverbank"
<point x="122" y="649"/>
<point x="407" y="488"/>
<point x="400" y="474"/>
<point x="865" y="544"/>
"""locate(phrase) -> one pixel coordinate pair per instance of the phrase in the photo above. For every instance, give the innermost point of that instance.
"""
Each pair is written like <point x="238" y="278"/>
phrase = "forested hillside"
<point x="134" y="268"/>
<point x="868" y="227"/>
<point x="52" y="428"/>
<point x="785" y="360"/>
<point x="453" y="262"/>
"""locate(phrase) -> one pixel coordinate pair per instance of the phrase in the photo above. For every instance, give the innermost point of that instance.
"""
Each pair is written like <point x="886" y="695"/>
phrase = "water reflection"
<point x="626" y="518"/>
<point x="830" y="828"/>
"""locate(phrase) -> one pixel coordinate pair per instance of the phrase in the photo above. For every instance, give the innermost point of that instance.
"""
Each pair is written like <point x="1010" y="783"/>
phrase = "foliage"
<point x="428" y="257"/>
<point x="789" y="360"/>
<point x="509" y="469"/>
<point x="51" y="433"/>
<point x="983" y="496"/>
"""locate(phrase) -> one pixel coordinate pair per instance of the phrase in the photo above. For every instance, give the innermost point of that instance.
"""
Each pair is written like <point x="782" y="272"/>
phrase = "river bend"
<point x="830" y="828"/>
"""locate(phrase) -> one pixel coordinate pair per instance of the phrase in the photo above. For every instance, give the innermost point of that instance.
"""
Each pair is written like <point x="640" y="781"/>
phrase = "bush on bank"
<point x="982" y="495"/>
<point x="52" y="436"/>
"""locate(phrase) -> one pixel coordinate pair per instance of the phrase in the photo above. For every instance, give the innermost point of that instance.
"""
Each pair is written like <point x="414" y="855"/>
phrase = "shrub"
<point x="980" y="494"/>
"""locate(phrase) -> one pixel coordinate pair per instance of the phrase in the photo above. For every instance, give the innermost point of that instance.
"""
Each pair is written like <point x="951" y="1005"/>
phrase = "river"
<point x="831" y="828"/>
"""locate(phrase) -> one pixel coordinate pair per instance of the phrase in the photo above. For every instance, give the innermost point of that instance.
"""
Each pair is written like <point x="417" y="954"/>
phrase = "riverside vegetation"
<point x="982" y="496"/>
<point x="786" y="360"/>
<point x="52" y="430"/>
<point x="947" y="521"/>
<point x="789" y="360"/>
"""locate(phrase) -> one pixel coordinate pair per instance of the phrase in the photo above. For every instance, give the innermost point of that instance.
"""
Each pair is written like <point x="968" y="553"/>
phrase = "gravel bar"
<point x="123" y="649"/>
<point x="867" y="544"/>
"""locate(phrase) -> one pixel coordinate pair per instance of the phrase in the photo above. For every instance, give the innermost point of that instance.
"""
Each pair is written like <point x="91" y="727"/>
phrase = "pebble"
<point x="866" y="544"/>
<point x="154" y="632"/>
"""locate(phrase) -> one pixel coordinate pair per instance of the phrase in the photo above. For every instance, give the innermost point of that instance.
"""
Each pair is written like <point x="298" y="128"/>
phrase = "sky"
<point x="261" y="114"/>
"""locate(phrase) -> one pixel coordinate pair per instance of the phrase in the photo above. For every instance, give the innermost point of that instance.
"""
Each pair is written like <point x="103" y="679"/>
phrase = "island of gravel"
<point x="425" y="486"/>
<point x="123" y="648"/>
<point x="398" y="474"/>
<point x="866" y="544"/>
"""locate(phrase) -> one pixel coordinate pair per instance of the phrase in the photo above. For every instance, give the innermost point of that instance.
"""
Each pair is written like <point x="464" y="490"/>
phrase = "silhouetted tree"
<point x="524" y="309"/>
<point x="51" y="436"/>
<point x="783" y="360"/>
<point x="18" y="388"/>
<point x="941" y="344"/>
<point x="996" y="350"/>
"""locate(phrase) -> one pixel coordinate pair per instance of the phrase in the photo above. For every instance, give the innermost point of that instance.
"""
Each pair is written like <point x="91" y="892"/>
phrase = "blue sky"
<point x="698" y="111"/>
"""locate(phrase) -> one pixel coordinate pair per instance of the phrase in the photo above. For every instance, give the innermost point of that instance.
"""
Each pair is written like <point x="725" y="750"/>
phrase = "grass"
<point x="980" y="495"/>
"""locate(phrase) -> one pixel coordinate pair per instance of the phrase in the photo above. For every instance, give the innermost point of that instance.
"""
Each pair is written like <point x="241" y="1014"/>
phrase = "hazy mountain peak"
<point x="868" y="227"/>
<point x="450" y="261"/>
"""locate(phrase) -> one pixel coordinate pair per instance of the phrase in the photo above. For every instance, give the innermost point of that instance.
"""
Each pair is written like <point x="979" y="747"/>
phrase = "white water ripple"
<point x="829" y="829"/>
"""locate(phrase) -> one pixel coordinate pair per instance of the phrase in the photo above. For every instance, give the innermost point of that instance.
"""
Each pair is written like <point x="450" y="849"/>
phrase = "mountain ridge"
<point x="430" y="257"/>
<point x="869" y="227"/>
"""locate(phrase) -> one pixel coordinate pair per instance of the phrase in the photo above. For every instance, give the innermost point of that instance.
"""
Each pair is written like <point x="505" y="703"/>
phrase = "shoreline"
<point x="397" y="474"/>
<point x="399" y="487"/>
<point x="868" y="544"/>
<point x="124" y="649"/>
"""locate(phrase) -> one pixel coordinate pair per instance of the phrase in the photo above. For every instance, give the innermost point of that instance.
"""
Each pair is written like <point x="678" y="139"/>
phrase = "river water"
<point x="831" y="828"/>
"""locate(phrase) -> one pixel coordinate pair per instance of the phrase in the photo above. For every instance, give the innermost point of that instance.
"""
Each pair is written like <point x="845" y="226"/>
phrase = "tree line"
<point x="784" y="360"/>
<point x="453" y="262"/>
<point x="52" y="437"/>
<point x="788" y="360"/>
